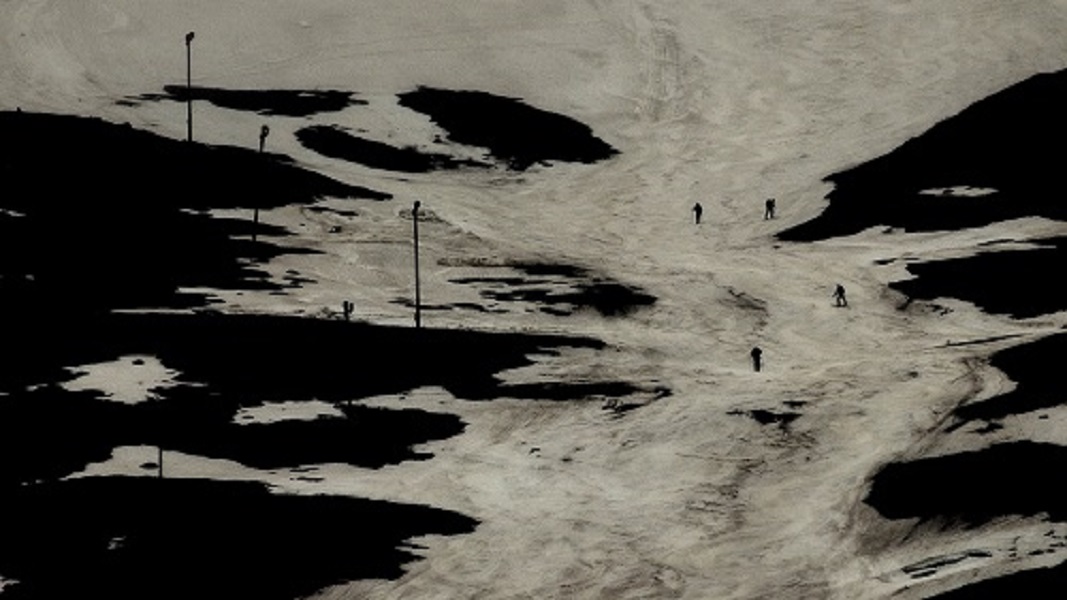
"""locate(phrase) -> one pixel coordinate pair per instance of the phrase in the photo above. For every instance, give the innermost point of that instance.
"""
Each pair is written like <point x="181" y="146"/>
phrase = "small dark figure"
<point x="757" y="354"/>
<point x="348" y="307"/>
<point x="264" y="131"/>
<point x="768" y="209"/>
<point x="839" y="296"/>
<point x="698" y="210"/>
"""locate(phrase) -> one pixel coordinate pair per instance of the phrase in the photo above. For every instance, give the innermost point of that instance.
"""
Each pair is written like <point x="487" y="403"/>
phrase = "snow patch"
<point x="130" y="379"/>
<point x="959" y="191"/>
<point x="286" y="411"/>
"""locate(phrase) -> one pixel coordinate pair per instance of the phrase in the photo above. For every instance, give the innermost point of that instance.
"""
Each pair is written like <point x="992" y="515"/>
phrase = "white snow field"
<point x="724" y="102"/>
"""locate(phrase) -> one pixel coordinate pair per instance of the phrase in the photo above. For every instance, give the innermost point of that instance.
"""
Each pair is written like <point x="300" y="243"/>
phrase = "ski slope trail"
<point x="723" y="103"/>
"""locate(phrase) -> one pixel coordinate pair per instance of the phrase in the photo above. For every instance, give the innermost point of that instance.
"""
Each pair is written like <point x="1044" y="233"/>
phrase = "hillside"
<point x="577" y="416"/>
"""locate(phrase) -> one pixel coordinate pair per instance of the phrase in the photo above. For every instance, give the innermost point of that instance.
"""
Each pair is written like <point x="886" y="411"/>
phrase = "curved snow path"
<point x="725" y="103"/>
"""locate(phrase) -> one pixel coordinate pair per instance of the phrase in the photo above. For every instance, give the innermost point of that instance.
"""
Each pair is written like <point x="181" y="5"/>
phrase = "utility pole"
<point x="263" y="132"/>
<point x="189" y="82"/>
<point x="418" y="297"/>
<point x="158" y="415"/>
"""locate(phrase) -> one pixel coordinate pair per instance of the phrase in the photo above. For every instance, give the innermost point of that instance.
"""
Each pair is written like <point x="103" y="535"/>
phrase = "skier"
<point x="756" y="355"/>
<point x="768" y="210"/>
<point x="839" y="296"/>
<point x="697" y="211"/>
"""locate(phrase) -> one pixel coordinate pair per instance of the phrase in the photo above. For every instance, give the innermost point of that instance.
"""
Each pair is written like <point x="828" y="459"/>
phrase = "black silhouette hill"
<point x="1039" y="385"/>
<point x="1011" y="282"/>
<point x="142" y="537"/>
<point x="105" y="215"/>
<point x="1005" y="143"/>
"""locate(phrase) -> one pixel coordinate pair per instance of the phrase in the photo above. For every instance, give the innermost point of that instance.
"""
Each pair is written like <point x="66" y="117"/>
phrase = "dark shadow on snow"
<point x="134" y="538"/>
<point x="560" y="290"/>
<point x="514" y="133"/>
<point x="290" y="103"/>
<point x="1004" y="143"/>
<point x="973" y="488"/>
<point x="1035" y="367"/>
<point x="336" y="143"/>
<point x="1012" y="282"/>
<point x="769" y="417"/>
<point x="227" y="363"/>
<point x="103" y="215"/>
<point x="99" y="217"/>
<point x="1033" y="584"/>
<point x="50" y="432"/>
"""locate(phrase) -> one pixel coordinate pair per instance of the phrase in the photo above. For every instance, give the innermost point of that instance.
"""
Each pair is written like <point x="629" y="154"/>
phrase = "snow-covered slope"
<point x="735" y="484"/>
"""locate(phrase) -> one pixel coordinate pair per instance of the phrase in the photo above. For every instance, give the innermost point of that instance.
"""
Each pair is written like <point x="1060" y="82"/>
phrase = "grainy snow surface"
<point x="722" y="483"/>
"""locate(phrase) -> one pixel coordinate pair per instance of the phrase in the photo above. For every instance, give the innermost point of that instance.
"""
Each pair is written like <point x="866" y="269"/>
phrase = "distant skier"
<point x="768" y="209"/>
<point x="698" y="210"/>
<point x="839" y="296"/>
<point x="757" y="354"/>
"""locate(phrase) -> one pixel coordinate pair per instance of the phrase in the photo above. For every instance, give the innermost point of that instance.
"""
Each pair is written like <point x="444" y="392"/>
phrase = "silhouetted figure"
<point x="757" y="354"/>
<point x="768" y="209"/>
<point x="698" y="210"/>
<point x="839" y="296"/>
<point x="264" y="131"/>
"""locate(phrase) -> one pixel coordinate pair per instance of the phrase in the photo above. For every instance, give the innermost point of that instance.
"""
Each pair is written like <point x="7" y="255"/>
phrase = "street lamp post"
<point x="189" y="82"/>
<point x="418" y="297"/>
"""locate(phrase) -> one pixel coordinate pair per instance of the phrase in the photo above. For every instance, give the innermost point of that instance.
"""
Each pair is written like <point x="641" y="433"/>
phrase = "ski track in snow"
<point x="726" y="103"/>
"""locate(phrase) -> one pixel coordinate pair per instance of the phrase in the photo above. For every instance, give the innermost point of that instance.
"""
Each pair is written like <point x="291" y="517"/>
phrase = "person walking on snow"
<point x="697" y="211"/>
<point x="768" y="209"/>
<point x="839" y="296"/>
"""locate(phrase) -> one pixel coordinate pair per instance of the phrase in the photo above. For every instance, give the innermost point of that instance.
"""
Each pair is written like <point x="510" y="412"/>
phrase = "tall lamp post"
<point x="189" y="82"/>
<point x="264" y="131"/>
<point x="418" y="297"/>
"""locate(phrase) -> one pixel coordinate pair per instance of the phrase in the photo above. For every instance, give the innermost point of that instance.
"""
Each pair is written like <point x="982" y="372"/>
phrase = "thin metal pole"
<point x="263" y="132"/>
<point x="418" y="296"/>
<point x="189" y="82"/>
